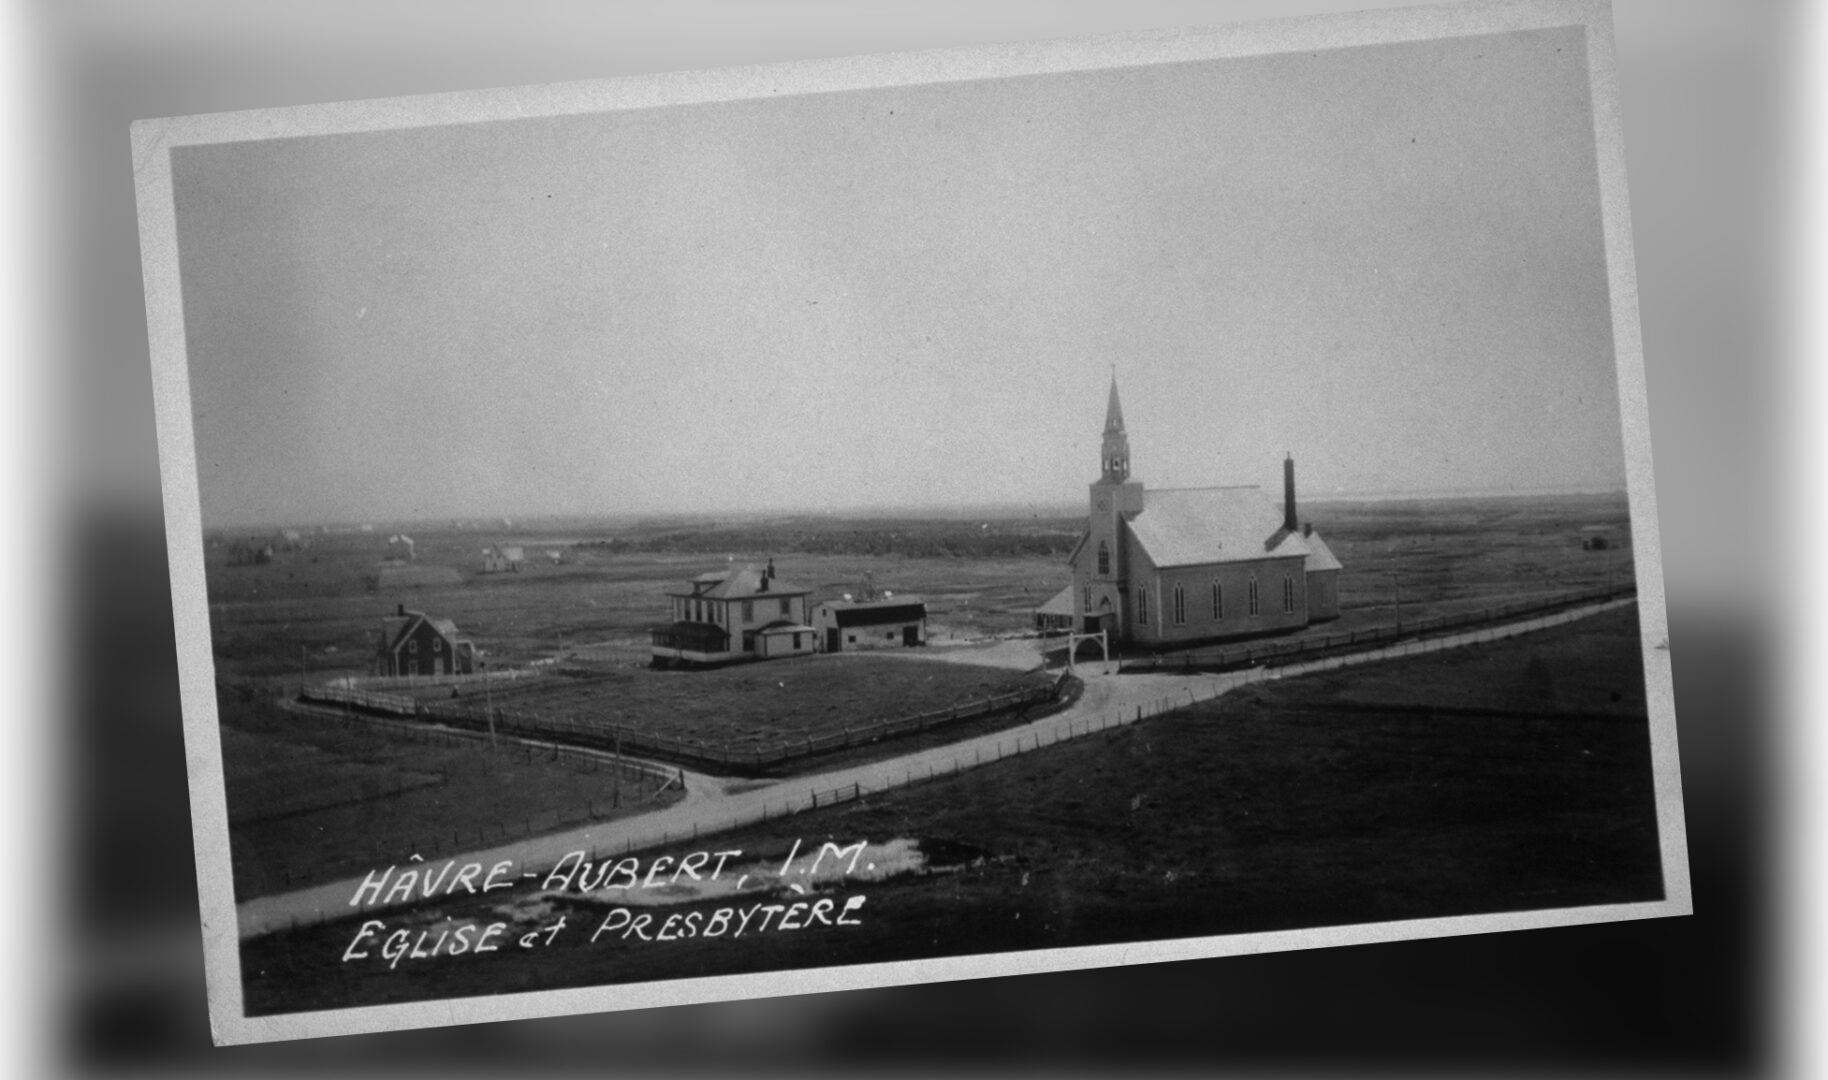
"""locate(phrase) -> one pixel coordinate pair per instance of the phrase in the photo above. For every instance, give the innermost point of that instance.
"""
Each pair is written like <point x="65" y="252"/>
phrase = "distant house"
<point x="1056" y="616"/>
<point x="497" y="559"/>
<point x="875" y="623"/>
<point x="414" y="643"/>
<point x="724" y="616"/>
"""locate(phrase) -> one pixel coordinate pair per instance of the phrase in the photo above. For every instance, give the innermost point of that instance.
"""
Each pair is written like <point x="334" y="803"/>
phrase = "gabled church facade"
<point x="1194" y="564"/>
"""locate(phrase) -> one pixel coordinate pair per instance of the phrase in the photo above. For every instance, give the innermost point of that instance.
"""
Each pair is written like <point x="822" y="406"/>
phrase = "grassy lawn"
<point x="313" y="799"/>
<point x="1271" y="808"/>
<point x="763" y="704"/>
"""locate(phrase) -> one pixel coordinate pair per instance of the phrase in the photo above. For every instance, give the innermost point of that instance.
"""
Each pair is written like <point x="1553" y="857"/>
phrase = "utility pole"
<point x="488" y="697"/>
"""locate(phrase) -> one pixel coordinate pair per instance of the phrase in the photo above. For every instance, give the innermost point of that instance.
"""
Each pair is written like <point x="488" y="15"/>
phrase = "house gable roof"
<point x="395" y="629"/>
<point x="744" y="584"/>
<point x="1195" y="526"/>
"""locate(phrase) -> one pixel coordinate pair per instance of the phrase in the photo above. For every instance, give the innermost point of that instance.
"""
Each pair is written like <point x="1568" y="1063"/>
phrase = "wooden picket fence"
<point x="1262" y="654"/>
<point x="599" y="734"/>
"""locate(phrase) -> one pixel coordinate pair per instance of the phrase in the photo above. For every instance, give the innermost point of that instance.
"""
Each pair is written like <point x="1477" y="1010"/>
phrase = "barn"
<point x="414" y="643"/>
<point x="880" y="623"/>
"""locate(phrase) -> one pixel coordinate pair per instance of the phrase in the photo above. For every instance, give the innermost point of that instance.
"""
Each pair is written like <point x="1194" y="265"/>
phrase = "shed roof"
<point x="785" y="626"/>
<point x="875" y="612"/>
<point x="1193" y="526"/>
<point x="1061" y="603"/>
<point x="1320" y="556"/>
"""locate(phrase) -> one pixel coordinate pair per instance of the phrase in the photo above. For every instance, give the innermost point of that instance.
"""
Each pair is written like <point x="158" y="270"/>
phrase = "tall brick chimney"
<point x="1288" y="494"/>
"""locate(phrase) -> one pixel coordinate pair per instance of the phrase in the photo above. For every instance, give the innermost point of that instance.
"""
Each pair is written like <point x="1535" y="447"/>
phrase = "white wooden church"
<point x="1192" y="564"/>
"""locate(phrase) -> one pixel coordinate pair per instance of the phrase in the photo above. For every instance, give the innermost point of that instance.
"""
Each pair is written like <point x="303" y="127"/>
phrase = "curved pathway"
<point x="1109" y="700"/>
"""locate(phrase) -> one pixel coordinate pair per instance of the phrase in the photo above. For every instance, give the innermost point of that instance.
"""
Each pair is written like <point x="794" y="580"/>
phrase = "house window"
<point x="1255" y="608"/>
<point x="437" y="644"/>
<point x="1180" y="604"/>
<point x="786" y="607"/>
<point x="1142" y="606"/>
<point x="1288" y="594"/>
<point x="796" y="643"/>
<point x="412" y="646"/>
<point x="1104" y="558"/>
<point x="748" y="611"/>
<point x="1218" y="602"/>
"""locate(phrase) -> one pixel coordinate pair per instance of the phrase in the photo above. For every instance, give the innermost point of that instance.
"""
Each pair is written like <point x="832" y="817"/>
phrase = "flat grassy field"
<point x="313" y="799"/>
<point x="1303" y="803"/>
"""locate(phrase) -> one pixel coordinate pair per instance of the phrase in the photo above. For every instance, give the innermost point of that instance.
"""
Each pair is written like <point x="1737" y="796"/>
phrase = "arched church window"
<point x="1104" y="558"/>
<point x="1255" y="608"/>
<point x="1288" y="594"/>
<point x="1218" y="602"/>
<point x="1180" y="604"/>
<point x="1142" y="606"/>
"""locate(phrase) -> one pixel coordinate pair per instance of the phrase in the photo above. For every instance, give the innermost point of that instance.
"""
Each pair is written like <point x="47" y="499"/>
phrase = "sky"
<point x="1386" y="261"/>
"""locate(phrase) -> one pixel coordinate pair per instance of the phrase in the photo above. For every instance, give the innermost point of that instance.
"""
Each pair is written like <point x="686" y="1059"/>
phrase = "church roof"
<point x="1193" y="526"/>
<point x="1320" y="556"/>
<point x="1113" y="410"/>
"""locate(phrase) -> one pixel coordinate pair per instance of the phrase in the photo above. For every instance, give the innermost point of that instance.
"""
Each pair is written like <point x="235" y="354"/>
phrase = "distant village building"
<point x="724" y="616"/>
<point x="497" y="559"/>
<point x="1166" y="566"/>
<point x="414" y="643"/>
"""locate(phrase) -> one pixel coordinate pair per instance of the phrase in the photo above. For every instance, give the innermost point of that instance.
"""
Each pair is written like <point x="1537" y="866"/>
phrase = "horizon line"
<point x="1060" y="508"/>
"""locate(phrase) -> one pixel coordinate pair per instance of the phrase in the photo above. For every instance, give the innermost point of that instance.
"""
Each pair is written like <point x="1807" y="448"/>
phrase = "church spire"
<point x="1116" y="450"/>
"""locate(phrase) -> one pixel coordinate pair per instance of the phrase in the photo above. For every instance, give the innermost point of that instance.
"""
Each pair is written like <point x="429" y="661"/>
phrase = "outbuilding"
<point x="887" y="623"/>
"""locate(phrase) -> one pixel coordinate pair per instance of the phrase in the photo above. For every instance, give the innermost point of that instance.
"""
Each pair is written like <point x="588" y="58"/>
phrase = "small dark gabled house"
<point x="414" y="643"/>
<point x="887" y="622"/>
<point x="723" y="616"/>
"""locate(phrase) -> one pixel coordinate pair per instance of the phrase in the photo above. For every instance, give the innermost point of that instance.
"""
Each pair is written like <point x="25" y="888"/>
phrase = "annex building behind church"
<point x="1195" y="564"/>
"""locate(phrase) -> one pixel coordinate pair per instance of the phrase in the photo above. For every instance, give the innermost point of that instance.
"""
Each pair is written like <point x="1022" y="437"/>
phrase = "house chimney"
<point x="1288" y="493"/>
<point x="1307" y="528"/>
<point x="401" y="610"/>
<point x="771" y="566"/>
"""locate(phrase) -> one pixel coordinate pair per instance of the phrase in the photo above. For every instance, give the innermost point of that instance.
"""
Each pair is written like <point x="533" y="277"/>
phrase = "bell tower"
<point x="1101" y="572"/>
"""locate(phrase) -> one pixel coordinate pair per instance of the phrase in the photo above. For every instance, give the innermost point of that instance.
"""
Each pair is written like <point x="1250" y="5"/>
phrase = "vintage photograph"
<point x="848" y="523"/>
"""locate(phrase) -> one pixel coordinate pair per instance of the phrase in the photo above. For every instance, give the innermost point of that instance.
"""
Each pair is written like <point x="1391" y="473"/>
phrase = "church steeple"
<point x="1116" y="450"/>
